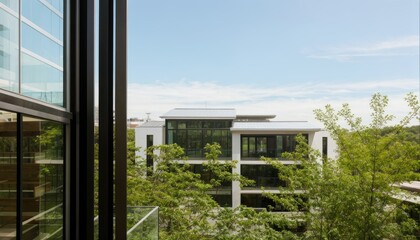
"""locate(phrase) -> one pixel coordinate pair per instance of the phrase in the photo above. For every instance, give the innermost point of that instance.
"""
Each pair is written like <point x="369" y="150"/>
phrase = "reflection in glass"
<point x="8" y="175"/>
<point x="31" y="49"/>
<point x="43" y="178"/>
<point x="12" y="4"/>
<point x="41" y="81"/>
<point x="221" y="194"/>
<point x="273" y="146"/>
<point x="40" y="14"/>
<point x="57" y="4"/>
<point x="9" y="51"/>
<point x="263" y="176"/>
<point x="41" y="45"/>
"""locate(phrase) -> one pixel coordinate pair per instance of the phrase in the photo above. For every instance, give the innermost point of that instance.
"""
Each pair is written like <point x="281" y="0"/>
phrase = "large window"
<point x="32" y="149"/>
<point x="221" y="194"/>
<point x="42" y="177"/>
<point x="9" y="49"/>
<point x="193" y="135"/>
<point x="263" y="176"/>
<point x="32" y="49"/>
<point x="256" y="146"/>
<point x="259" y="201"/>
<point x="324" y="147"/>
<point x="8" y="174"/>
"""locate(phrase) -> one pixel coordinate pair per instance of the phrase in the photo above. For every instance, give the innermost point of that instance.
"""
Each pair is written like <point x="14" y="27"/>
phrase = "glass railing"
<point x="44" y="225"/>
<point x="142" y="223"/>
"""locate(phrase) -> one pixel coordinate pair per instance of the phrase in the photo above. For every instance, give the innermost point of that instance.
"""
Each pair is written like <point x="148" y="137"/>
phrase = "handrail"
<point x="142" y="220"/>
<point x="41" y="214"/>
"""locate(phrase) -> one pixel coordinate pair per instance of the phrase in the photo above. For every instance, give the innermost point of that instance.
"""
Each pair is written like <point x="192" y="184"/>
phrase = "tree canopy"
<point x="355" y="196"/>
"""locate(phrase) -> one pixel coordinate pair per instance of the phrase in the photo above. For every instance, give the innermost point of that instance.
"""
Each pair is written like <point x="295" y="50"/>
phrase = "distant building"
<point x="242" y="137"/>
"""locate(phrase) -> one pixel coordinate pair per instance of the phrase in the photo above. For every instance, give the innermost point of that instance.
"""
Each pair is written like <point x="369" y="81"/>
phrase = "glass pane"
<point x="182" y="125"/>
<point x="171" y="124"/>
<point x="171" y="137"/>
<point x="207" y="137"/>
<point x="193" y="124"/>
<point x="217" y="135"/>
<point x="279" y="146"/>
<point x="263" y="175"/>
<point x="143" y="223"/>
<point x="42" y="51"/>
<point x="271" y="146"/>
<point x="262" y="146"/>
<point x="41" y="15"/>
<point x="57" y="4"/>
<point x="41" y="45"/>
<point x="287" y="144"/>
<point x="12" y="4"/>
<point x="252" y="152"/>
<point x="8" y="176"/>
<point x="43" y="178"/>
<point x="9" y="51"/>
<point x="181" y="138"/>
<point x="41" y="81"/>
<point x="195" y="143"/>
<point x="244" y="147"/>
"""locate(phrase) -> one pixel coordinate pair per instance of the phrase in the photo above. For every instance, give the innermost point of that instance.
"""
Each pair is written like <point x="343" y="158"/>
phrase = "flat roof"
<point x="152" y="124"/>
<point x="200" y="113"/>
<point x="275" y="126"/>
<point x="255" y="117"/>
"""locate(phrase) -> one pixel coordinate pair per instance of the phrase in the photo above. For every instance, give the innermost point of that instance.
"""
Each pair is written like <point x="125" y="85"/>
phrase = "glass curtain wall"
<point x="8" y="175"/>
<point x="43" y="178"/>
<point x="263" y="175"/>
<point x="31" y="63"/>
<point x="32" y="155"/>
<point x="41" y="182"/>
<point x="253" y="147"/>
<point x="221" y="194"/>
<point x="193" y="135"/>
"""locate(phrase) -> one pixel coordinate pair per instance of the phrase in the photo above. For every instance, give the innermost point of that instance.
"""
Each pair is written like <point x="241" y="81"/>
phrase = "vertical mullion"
<point x="121" y="120"/>
<point x="19" y="163"/>
<point x="106" y="70"/>
<point x="19" y="135"/>
<point x="80" y="49"/>
<point x="19" y="46"/>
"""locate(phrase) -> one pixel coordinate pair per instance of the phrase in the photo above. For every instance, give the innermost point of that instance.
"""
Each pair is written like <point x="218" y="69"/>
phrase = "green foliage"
<point x="186" y="209"/>
<point x="354" y="196"/>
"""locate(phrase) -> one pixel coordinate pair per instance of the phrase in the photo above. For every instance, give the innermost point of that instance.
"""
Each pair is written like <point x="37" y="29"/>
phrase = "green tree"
<point x="355" y="196"/>
<point x="186" y="209"/>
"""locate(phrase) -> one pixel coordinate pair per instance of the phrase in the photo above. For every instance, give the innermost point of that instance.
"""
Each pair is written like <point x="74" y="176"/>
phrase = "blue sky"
<point x="270" y="56"/>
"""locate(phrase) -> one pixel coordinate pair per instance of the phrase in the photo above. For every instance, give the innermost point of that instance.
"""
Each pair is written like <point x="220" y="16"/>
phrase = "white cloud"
<point x="403" y="46"/>
<point x="287" y="102"/>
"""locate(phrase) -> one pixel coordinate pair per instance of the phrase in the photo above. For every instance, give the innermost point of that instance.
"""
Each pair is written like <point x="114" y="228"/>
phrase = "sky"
<point x="285" y="57"/>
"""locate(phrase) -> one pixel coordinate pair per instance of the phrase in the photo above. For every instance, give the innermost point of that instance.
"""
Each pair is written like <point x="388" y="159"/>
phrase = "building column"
<point x="236" y="155"/>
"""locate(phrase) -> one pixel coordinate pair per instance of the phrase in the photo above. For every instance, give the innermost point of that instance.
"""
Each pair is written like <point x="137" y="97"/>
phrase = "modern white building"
<point x="244" y="138"/>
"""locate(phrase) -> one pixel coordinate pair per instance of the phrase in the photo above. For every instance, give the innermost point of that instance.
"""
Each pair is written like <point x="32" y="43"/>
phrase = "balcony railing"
<point x="148" y="225"/>
<point x="142" y="223"/>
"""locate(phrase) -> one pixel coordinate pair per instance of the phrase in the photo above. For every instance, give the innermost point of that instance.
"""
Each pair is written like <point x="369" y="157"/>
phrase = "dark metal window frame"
<point x="112" y="67"/>
<point x="19" y="106"/>
<point x="324" y="147"/>
<point x="228" y="146"/>
<point x="265" y="135"/>
<point x="261" y="171"/>
<point x="78" y="118"/>
<point x="26" y="106"/>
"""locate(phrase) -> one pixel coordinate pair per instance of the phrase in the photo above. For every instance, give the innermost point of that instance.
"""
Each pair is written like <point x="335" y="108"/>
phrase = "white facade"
<point x="242" y="126"/>
<point x="154" y="128"/>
